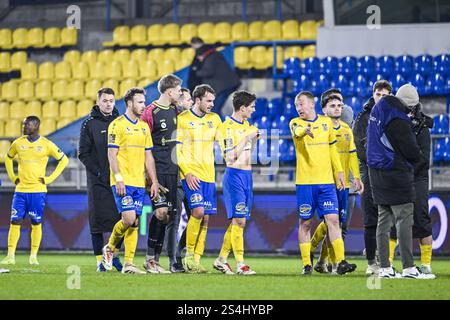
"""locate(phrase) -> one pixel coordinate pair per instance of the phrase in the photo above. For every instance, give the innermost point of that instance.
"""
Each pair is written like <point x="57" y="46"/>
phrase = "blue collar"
<point x="130" y="119"/>
<point x="317" y="117"/>
<point x="196" y="114"/>
<point x="37" y="138"/>
<point x="338" y="127"/>
<point x="231" y="117"/>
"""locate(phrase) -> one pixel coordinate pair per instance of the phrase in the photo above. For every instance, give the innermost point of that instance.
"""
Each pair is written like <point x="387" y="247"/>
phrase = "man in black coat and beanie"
<point x="93" y="153"/>
<point x="210" y="67"/>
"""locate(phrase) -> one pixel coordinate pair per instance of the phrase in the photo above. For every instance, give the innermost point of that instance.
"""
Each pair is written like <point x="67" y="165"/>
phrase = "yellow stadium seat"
<point x="4" y="145"/>
<point x="308" y="30"/>
<point x="280" y="58"/>
<point x="293" y="52"/>
<point x="242" y="58"/>
<point x="182" y="63"/>
<point x="20" y="39"/>
<point x="131" y="69"/>
<point x="46" y="71"/>
<point x="47" y="126"/>
<point x="63" y="70"/>
<point x="5" y="61"/>
<point x="255" y="31"/>
<point x="187" y="32"/>
<point x="309" y="51"/>
<point x="222" y="32"/>
<point x="68" y="109"/>
<point x="17" y="111"/>
<point x="148" y="70"/>
<point x="258" y="58"/>
<point x="144" y="82"/>
<point x="29" y="71"/>
<point x="6" y="38"/>
<point x="60" y="90"/>
<point x="9" y="91"/>
<point x="63" y="122"/>
<point x="139" y="55"/>
<point x="205" y="31"/>
<point x="34" y="108"/>
<point x="72" y="56"/>
<point x="97" y="70"/>
<point x="172" y="53"/>
<point x="113" y="84"/>
<point x="272" y="30"/>
<point x="13" y="128"/>
<point x="165" y="67"/>
<point x="43" y="90"/>
<point x="52" y="38"/>
<point x="84" y="107"/>
<point x="18" y="59"/>
<point x="113" y="70"/>
<point x="89" y="56"/>
<point x="171" y="34"/>
<point x="239" y="31"/>
<point x="80" y="70"/>
<point x="26" y="90"/>
<point x="69" y="37"/>
<point x="154" y="34"/>
<point x="188" y="54"/>
<point x="290" y="30"/>
<point x="4" y="110"/>
<point x="125" y="85"/>
<point x="138" y="35"/>
<point x="35" y="38"/>
<point x="91" y="88"/>
<point x="156" y="55"/>
<point x="122" y="55"/>
<point x="105" y="56"/>
<point x="51" y="109"/>
<point x="121" y="36"/>
<point x="76" y="90"/>
<point x="2" y="134"/>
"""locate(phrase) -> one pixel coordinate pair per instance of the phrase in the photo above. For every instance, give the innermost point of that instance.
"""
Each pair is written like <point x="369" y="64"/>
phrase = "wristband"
<point x="118" y="177"/>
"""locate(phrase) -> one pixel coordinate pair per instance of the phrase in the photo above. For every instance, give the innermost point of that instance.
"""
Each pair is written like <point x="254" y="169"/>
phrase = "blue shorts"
<point x="343" y="204"/>
<point x="320" y="197"/>
<point x="132" y="201"/>
<point x="31" y="203"/>
<point x="204" y="197"/>
<point x="238" y="192"/>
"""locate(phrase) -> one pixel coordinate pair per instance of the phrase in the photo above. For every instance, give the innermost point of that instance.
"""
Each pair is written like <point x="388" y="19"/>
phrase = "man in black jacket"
<point x="210" y="67"/>
<point x="370" y="211"/>
<point x="392" y="153"/>
<point x="93" y="153"/>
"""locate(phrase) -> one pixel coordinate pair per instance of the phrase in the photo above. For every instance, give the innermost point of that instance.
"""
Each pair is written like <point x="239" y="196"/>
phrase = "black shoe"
<point x="311" y="256"/>
<point x="329" y="267"/>
<point x="177" y="267"/>
<point x="345" y="267"/>
<point x="307" y="270"/>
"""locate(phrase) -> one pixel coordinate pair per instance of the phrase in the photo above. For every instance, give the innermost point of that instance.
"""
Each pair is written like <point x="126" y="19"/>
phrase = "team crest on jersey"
<point x="192" y="124"/>
<point x="163" y="124"/>
<point x="112" y="138"/>
<point x="22" y="147"/>
<point x="144" y="131"/>
<point x="210" y="124"/>
<point x="347" y="137"/>
<point x="127" y="201"/>
<point x="196" y="198"/>
<point x="325" y="126"/>
<point x="128" y="130"/>
<point x="39" y="149"/>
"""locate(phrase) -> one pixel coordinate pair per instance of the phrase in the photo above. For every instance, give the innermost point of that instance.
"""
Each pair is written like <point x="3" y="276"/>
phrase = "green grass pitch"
<point x="277" y="278"/>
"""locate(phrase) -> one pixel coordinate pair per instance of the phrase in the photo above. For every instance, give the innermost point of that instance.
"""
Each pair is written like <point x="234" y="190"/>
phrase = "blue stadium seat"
<point x="441" y="124"/>
<point x="436" y="84"/>
<point x="260" y="107"/>
<point x="218" y="157"/>
<point x="441" y="64"/>
<point x="263" y="123"/>
<point x="311" y="66"/>
<point x="318" y="106"/>
<point x="386" y="66"/>
<point x="439" y="150"/>
<point x="320" y="84"/>
<point x="366" y="65"/>
<point x="362" y="87"/>
<point x="397" y="82"/>
<point x="329" y="66"/>
<point x="300" y="84"/>
<point x="404" y="65"/>
<point x="290" y="110"/>
<point x="291" y="151"/>
<point x="263" y="148"/>
<point x="292" y="67"/>
<point x="348" y="65"/>
<point x="447" y="150"/>
<point x="447" y="85"/>
<point x="283" y="150"/>
<point x="418" y="81"/>
<point x="423" y="64"/>
<point x="343" y="84"/>
<point x="281" y="124"/>
<point x="274" y="107"/>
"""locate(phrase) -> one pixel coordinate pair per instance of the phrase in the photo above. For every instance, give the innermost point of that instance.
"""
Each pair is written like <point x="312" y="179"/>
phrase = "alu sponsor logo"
<point x="328" y="205"/>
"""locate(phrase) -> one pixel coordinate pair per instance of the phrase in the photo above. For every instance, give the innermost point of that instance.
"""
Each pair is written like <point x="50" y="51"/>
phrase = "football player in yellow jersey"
<point x="317" y="162"/>
<point x="130" y="156"/>
<point x="237" y="140"/>
<point x="332" y="106"/>
<point x="196" y="134"/>
<point x="32" y="152"/>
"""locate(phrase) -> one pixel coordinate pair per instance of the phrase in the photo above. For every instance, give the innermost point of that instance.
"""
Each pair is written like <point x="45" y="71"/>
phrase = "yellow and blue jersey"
<point x="232" y="132"/>
<point x="347" y="151"/>
<point x="317" y="158"/>
<point x="195" y="150"/>
<point x="32" y="157"/>
<point x="132" y="138"/>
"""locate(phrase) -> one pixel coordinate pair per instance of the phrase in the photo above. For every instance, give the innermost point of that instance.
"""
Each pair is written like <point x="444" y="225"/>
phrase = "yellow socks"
<point x="36" y="237"/>
<point x="425" y="254"/>
<point x="226" y="245"/>
<point x="117" y="234"/>
<point x="331" y="255"/>
<point x="392" y="246"/>
<point x="98" y="259"/>
<point x="13" y="238"/>
<point x="323" y="253"/>
<point x="305" y="250"/>
<point x="130" y="241"/>
<point x="192" y="233"/>
<point x="237" y="242"/>
<point x="200" y="245"/>
<point x="318" y="236"/>
<point x="339" y="251"/>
